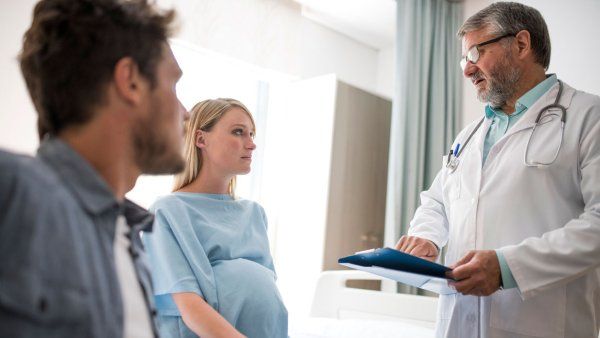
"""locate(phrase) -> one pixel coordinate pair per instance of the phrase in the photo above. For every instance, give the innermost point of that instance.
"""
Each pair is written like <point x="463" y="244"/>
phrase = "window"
<point x="208" y="75"/>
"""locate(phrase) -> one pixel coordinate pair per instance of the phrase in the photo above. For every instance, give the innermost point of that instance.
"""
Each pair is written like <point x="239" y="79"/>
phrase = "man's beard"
<point x="154" y="154"/>
<point x="501" y="84"/>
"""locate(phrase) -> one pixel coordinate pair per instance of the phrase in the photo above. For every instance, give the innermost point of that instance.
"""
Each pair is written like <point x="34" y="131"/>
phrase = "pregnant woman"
<point x="209" y="251"/>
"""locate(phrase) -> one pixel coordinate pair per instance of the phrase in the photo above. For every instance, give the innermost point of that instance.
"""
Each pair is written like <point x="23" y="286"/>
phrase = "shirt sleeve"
<point x="37" y="247"/>
<point x="508" y="280"/>
<point x="270" y="264"/>
<point x="176" y="268"/>
<point x="18" y="276"/>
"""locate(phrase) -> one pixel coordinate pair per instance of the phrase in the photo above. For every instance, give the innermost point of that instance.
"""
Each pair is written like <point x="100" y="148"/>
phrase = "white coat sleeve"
<point x="567" y="253"/>
<point x="430" y="221"/>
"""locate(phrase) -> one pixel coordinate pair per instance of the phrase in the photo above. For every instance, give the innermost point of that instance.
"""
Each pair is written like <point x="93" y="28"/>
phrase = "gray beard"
<point x="501" y="84"/>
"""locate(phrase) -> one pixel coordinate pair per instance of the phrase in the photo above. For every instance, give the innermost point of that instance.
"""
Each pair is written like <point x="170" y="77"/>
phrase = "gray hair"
<point x="510" y="18"/>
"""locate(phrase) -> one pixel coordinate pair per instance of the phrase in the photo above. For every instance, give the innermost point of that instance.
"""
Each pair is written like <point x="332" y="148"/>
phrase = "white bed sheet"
<point x="319" y="327"/>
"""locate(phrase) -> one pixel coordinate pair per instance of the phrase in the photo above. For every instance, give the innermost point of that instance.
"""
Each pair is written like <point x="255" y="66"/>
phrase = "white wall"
<point x="271" y="34"/>
<point x="574" y="32"/>
<point x="386" y="66"/>
<point x="274" y="35"/>
<point x="17" y="116"/>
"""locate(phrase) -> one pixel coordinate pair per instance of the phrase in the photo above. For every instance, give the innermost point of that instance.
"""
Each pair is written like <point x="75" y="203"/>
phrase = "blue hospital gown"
<point x="216" y="247"/>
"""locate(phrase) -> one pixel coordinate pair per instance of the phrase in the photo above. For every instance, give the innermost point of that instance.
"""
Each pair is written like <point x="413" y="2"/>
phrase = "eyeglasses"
<point x="473" y="52"/>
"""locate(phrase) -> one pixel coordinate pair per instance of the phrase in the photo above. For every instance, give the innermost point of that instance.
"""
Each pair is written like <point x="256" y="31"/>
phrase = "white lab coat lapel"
<point x="462" y="190"/>
<point x="471" y="179"/>
<point x="478" y="180"/>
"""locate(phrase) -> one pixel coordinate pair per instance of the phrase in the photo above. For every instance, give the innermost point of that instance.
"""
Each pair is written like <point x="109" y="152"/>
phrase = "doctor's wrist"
<point x="435" y="245"/>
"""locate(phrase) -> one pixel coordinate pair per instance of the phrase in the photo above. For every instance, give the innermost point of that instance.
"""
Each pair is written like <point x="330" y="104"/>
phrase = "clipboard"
<point x="403" y="268"/>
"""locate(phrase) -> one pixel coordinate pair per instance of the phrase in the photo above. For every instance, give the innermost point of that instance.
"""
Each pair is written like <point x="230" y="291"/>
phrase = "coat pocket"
<point x="451" y="188"/>
<point x="43" y="304"/>
<point x="539" y="316"/>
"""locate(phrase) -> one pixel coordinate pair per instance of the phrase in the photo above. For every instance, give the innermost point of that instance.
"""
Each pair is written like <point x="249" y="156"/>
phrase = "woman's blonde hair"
<point x="204" y="116"/>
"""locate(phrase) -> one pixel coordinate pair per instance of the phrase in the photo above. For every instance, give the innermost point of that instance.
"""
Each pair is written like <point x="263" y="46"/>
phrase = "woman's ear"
<point x="200" y="138"/>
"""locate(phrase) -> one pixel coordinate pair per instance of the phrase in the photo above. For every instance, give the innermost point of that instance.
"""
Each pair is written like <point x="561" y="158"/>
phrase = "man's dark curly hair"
<point x="70" y="51"/>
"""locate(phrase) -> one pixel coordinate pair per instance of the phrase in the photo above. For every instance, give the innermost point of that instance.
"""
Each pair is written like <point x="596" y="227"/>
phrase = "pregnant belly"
<point x="242" y="283"/>
<point x="248" y="297"/>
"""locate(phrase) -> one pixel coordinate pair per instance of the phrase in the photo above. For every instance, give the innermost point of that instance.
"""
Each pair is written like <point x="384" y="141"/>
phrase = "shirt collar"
<point x="528" y="99"/>
<point x="138" y="218"/>
<point x="490" y="112"/>
<point x="90" y="189"/>
<point x="534" y="94"/>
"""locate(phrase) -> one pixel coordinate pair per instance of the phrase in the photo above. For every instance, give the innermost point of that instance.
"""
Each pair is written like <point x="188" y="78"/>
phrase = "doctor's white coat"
<point x="545" y="220"/>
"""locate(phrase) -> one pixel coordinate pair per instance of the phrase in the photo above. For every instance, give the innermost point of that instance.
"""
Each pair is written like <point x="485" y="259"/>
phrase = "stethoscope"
<point x="453" y="156"/>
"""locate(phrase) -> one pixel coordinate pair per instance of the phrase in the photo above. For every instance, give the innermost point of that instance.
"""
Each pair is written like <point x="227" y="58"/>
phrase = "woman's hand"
<point x="201" y="318"/>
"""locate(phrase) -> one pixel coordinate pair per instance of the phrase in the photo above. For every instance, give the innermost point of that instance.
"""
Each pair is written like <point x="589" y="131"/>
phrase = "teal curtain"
<point x="425" y="109"/>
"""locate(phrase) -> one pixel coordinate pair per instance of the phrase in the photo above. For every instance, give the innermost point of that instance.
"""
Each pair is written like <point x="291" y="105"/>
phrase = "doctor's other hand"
<point x="417" y="246"/>
<point x="477" y="273"/>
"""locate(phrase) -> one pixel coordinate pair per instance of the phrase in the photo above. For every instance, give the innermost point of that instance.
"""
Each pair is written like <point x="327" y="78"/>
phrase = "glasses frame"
<point x="473" y="52"/>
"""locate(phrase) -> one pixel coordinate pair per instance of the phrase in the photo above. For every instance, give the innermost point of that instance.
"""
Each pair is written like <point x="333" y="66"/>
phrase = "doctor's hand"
<point x="418" y="246"/>
<point x="477" y="273"/>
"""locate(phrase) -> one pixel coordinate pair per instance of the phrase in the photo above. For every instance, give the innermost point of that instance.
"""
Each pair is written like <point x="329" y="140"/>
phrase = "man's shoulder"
<point x="583" y="108"/>
<point x="10" y="160"/>
<point x="588" y="99"/>
<point x="35" y="207"/>
<point x="27" y="183"/>
<point x="24" y="172"/>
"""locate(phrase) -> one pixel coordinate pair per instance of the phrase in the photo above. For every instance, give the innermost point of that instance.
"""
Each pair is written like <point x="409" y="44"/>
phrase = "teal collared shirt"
<point x="500" y="124"/>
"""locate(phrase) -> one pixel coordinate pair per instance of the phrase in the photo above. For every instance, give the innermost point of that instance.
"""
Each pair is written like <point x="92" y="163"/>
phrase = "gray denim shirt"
<point x="57" y="268"/>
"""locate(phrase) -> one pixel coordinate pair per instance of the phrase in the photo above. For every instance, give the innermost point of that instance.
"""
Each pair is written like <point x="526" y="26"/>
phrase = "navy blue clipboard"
<point x="397" y="260"/>
<point x="402" y="267"/>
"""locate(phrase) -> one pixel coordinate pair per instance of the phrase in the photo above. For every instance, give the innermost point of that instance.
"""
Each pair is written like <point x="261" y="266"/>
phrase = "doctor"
<point x="517" y="202"/>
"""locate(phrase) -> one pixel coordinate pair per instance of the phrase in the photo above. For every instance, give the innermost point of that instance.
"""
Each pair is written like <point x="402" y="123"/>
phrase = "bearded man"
<point x="517" y="201"/>
<point x="102" y="78"/>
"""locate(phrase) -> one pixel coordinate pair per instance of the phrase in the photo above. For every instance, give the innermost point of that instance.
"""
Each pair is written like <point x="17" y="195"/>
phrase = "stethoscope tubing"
<point x="453" y="159"/>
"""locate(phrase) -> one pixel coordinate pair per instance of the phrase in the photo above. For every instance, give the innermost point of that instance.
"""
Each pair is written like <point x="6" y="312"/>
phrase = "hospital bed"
<point x="340" y="311"/>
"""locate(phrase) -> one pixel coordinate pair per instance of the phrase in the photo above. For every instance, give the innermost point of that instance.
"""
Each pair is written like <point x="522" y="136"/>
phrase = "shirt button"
<point x="43" y="305"/>
<point x="134" y="254"/>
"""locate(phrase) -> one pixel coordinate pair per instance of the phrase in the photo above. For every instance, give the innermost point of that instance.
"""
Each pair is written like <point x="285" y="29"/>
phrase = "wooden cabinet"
<point x="358" y="174"/>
